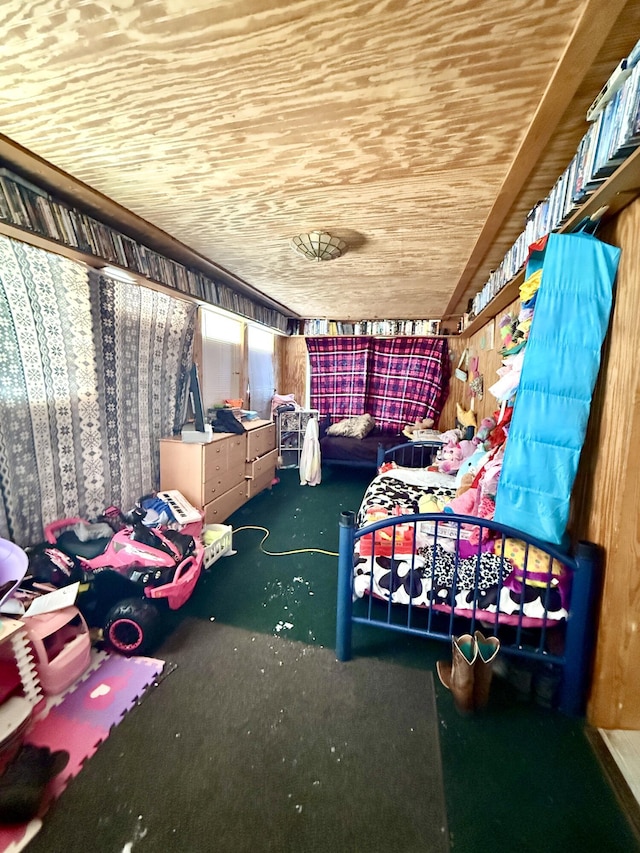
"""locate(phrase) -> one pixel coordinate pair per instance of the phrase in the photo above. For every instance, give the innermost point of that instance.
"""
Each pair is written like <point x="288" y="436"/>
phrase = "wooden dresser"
<point x="221" y="476"/>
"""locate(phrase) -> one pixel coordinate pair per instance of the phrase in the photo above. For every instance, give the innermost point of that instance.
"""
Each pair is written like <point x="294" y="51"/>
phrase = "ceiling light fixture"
<point x="319" y="246"/>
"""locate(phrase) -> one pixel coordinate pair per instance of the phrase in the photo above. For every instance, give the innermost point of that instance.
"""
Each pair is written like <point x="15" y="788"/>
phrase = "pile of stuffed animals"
<point x="477" y="463"/>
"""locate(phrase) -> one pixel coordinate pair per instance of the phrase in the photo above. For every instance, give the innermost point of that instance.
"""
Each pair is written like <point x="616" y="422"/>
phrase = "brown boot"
<point x="488" y="648"/>
<point x="458" y="676"/>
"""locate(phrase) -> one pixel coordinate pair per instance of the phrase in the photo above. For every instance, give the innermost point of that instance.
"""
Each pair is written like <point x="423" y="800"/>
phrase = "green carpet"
<point x="258" y="743"/>
<point x="518" y="777"/>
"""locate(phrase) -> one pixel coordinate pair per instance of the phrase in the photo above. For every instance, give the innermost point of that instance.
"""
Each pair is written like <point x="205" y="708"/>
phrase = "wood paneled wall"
<point x="607" y="493"/>
<point x="485" y="344"/>
<point x="291" y="373"/>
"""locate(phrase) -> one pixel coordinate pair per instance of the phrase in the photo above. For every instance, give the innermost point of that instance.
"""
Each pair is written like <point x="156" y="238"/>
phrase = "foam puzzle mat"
<point x="79" y="720"/>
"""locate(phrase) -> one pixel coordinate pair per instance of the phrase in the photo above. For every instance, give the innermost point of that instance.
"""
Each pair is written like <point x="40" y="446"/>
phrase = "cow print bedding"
<point x="436" y="576"/>
<point x="388" y="492"/>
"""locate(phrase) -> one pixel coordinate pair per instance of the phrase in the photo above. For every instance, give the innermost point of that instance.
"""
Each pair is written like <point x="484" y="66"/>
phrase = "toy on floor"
<point x="61" y="645"/>
<point x="127" y="577"/>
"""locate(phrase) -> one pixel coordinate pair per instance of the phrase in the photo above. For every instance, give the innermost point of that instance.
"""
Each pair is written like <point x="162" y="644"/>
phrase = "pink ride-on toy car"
<point x="127" y="578"/>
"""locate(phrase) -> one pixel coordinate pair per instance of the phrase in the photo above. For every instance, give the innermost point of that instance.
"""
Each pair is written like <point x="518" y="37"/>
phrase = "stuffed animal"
<point x="450" y="458"/>
<point x="463" y="504"/>
<point x="466" y="417"/>
<point x="486" y="427"/>
<point x="466" y="482"/>
<point x="451" y="436"/>
<point x="425" y="423"/>
<point x="453" y="454"/>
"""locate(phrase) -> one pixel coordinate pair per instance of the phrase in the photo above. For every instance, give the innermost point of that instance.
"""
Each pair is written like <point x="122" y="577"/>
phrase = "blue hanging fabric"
<point x="559" y="372"/>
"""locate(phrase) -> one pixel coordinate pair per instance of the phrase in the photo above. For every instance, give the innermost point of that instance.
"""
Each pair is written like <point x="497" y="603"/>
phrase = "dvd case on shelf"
<point x="27" y="206"/>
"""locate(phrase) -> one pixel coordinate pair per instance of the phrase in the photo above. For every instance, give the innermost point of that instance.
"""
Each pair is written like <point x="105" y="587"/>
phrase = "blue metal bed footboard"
<point x="438" y="614"/>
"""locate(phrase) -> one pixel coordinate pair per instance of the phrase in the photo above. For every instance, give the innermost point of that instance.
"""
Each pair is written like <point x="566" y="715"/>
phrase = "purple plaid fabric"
<point x="397" y="380"/>
<point x="408" y="380"/>
<point x="339" y="375"/>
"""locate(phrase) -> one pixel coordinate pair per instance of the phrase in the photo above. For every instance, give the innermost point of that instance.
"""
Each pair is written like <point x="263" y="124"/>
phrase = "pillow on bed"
<point x="356" y="427"/>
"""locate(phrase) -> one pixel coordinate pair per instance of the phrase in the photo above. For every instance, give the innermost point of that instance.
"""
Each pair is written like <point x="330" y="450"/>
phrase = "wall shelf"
<point x="86" y="226"/>
<point x="615" y="193"/>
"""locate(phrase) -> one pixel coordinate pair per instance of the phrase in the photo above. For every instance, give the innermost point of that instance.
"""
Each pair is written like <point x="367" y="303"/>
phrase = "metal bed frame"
<point x="440" y="622"/>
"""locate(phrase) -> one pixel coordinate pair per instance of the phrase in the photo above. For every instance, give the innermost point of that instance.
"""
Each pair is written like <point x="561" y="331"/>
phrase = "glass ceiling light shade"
<point x="319" y="246"/>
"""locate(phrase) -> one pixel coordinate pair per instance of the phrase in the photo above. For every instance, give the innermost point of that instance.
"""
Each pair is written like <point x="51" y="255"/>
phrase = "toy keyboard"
<point x="182" y="510"/>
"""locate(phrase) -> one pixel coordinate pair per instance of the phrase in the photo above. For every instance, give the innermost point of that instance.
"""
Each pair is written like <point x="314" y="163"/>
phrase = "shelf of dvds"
<point x="614" y="194"/>
<point x="386" y="328"/>
<point x="30" y="213"/>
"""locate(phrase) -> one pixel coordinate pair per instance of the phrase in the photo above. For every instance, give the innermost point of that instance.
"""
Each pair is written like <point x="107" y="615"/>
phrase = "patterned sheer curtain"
<point x="261" y="346"/>
<point x="94" y="372"/>
<point x="397" y="380"/>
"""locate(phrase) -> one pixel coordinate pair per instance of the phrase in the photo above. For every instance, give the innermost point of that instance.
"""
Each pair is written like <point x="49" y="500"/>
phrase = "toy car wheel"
<point x="132" y="627"/>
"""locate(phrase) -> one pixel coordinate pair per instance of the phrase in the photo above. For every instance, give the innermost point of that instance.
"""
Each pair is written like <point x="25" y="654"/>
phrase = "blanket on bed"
<point x="441" y="568"/>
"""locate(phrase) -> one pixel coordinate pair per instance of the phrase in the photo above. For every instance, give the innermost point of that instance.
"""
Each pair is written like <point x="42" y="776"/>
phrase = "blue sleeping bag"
<point x="559" y="371"/>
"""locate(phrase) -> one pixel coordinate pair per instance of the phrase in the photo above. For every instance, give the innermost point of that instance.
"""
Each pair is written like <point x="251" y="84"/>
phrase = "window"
<point x="221" y="358"/>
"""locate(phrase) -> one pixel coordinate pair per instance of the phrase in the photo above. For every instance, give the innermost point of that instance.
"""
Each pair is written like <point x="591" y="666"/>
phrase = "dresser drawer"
<point x="221" y="483"/>
<point x="259" y="467"/>
<point x="215" y="459"/>
<point x="264" y="481"/>
<point x="260" y="441"/>
<point x="236" y="452"/>
<point x="221" y="508"/>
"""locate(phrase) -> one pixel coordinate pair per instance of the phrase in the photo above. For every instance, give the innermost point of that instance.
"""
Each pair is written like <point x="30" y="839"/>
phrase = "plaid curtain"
<point x="339" y="368"/>
<point x="93" y="374"/>
<point x="397" y="380"/>
<point x="408" y="380"/>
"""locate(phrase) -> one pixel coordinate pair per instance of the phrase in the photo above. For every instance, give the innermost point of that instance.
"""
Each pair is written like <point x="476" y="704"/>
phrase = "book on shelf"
<point x="335" y="328"/>
<point x="617" y="79"/>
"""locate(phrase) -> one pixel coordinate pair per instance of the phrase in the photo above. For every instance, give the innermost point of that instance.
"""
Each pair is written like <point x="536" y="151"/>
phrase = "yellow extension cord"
<point x="282" y="553"/>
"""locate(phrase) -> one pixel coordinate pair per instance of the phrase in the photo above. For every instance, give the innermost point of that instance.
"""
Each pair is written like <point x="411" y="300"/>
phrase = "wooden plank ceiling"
<point x="419" y="132"/>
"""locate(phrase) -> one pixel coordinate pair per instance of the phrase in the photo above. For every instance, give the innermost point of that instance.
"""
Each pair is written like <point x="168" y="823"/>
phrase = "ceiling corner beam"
<point x="589" y="35"/>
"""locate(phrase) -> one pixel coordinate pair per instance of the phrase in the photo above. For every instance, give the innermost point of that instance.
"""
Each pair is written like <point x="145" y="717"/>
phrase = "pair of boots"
<point x="468" y="675"/>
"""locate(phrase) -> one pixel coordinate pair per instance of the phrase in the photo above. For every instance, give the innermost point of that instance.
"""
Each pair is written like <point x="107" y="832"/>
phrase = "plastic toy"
<point x="127" y="577"/>
<point x="13" y="567"/>
<point x="61" y="645"/>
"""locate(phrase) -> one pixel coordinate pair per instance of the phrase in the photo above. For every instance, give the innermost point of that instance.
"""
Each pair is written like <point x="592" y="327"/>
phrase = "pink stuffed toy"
<point x="463" y="504"/>
<point x="451" y="459"/>
<point x="452" y="455"/>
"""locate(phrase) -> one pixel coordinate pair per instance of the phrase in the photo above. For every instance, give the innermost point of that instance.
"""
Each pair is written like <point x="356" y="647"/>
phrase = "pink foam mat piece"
<point x="109" y="692"/>
<point x="80" y="723"/>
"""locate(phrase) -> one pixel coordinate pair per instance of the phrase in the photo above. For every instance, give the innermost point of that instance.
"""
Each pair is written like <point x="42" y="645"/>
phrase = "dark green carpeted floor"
<point x="519" y="777"/>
